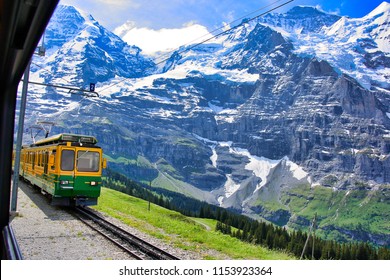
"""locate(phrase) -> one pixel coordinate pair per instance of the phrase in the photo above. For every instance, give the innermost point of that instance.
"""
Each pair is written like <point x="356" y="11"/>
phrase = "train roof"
<point x="67" y="137"/>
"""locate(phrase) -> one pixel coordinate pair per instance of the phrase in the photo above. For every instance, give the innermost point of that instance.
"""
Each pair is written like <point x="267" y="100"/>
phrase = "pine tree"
<point x="383" y="254"/>
<point x="269" y="239"/>
<point x="239" y="234"/>
<point x="362" y="252"/>
<point x="201" y="213"/>
<point x="218" y="226"/>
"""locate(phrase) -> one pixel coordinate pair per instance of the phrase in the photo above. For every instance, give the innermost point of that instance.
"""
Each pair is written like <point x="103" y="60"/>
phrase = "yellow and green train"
<point x="68" y="167"/>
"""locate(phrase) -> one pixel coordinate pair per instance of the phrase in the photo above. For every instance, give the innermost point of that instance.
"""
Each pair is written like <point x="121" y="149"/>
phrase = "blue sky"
<point x="157" y="14"/>
<point x="173" y="23"/>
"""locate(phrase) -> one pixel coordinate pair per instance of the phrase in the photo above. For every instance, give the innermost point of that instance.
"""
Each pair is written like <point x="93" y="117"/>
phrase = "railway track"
<point x="136" y="247"/>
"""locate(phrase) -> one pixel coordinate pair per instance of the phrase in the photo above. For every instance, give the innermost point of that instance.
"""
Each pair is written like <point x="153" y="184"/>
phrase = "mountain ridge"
<point x="220" y="120"/>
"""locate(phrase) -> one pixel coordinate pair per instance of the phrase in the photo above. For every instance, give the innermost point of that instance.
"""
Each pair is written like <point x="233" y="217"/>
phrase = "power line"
<point x="228" y="30"/>
<point x="214" y="36"/>
<point x="44" y="69"/>
<point x="223" y="26"/>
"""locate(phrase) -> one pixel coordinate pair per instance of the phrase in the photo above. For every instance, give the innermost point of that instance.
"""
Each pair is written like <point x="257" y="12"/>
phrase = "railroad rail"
<point x="135" y="246"/>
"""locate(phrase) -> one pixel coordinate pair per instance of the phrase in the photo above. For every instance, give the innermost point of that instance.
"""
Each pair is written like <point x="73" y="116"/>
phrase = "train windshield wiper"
<point x="83" y="154"/>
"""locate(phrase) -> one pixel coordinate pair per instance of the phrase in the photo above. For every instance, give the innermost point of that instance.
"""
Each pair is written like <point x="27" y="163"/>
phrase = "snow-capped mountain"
<point x="357" y="47"/>
<point x="300" y="20"/>
<point x="82" y="51"/>
<point x="275" y="111"/>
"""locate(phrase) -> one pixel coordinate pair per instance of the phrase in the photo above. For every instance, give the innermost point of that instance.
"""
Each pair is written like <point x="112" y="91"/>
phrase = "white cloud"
<point x="153" y="41"/>
<point x="334" y="12"/>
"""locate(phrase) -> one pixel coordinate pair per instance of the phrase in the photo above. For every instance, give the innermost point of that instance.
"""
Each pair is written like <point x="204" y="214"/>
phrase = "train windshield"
<point x="67" y="160"/>
<point x="88" y="161"/>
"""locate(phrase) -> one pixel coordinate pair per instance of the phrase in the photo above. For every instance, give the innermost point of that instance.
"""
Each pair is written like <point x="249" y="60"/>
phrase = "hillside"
<point x="215" y="233"/>
<point x="187" y="233"/>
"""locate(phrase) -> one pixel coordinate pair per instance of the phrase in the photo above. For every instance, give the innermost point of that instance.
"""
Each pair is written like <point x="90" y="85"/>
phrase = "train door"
<point x="67" y="166"/>
<point x="33" y="162"/>
<point x="45" y="161"/>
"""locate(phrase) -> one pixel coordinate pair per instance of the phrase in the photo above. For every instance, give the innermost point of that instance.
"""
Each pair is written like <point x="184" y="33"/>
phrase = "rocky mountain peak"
<point x="64" y="25"/>
<point x="301" y="19"/>
<point x="383" y="8"/>
<point x="305" y="11"/>
<point x="86" y="52"/>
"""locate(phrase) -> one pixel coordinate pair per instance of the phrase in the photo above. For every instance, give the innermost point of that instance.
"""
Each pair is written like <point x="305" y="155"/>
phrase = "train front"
<point x="80" y="177"/>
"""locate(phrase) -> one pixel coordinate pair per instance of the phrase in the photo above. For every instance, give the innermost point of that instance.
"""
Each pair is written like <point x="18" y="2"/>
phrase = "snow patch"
<point x="260" y="166"/>
<point x="230" y="186"/>
<point x="214" y="157"/>
<point x="215" y="108"/>
<point x="297" y="170"/>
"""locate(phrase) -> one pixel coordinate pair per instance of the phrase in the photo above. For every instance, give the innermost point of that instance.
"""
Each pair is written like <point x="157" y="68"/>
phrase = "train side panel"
<point x="35" y="168"/>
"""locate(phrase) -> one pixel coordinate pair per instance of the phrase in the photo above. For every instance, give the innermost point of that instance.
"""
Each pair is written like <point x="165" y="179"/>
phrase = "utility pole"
<point x="312" y="228"/>
<point x="150" y="189"/>
<point x="314" y="234"/>
<point x="19" y="139"/>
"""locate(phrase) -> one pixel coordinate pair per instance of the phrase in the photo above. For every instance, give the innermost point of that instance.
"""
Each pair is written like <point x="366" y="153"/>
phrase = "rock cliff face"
<point x="260" y="120"/>
<point x="82" y="51"/>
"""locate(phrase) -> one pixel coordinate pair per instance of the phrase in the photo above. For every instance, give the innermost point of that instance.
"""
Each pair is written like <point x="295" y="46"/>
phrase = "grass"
<point x="362" y="210"/>
<point x="185" y="142"/>
<point x="192" y="234"/>
<point x="208" y="224"/>
<point x="139" y="161"/>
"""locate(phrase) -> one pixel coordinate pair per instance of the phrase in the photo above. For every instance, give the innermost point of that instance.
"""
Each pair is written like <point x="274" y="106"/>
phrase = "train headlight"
<point x="64" y="182"/>
<point x="93" y="183"/>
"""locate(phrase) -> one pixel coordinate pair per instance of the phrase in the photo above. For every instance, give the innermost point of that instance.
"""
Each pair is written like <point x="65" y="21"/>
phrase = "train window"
<point x="54" y="158"/>
<point x="67" y="160"/>
<point x="88" y="161"/>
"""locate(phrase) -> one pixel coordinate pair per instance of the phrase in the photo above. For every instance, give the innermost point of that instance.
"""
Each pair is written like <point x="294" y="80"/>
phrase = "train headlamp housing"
<point x="93" y="183"/>
<point x="64" y="182"/>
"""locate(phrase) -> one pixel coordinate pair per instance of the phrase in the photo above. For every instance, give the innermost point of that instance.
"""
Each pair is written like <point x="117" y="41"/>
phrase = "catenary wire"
<point x="214" y="36"/>
<point x="222" y="27"/>
<point x="44" y="69"/>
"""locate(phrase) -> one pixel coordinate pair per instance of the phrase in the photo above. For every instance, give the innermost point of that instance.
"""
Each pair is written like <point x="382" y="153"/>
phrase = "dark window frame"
<point x="66" y="159"/>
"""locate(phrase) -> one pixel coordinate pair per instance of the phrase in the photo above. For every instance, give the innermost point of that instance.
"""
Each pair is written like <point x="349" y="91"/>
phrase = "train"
<point x="67" y="167"/>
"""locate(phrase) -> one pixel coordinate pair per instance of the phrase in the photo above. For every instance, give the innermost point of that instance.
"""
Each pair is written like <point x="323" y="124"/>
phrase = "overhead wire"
<point x="224" y="26"/>
<point x="177" y="51"/>
<point x="227" y="30"/>
<point x="93" y="94"/>
<point x="44" y="69"/>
